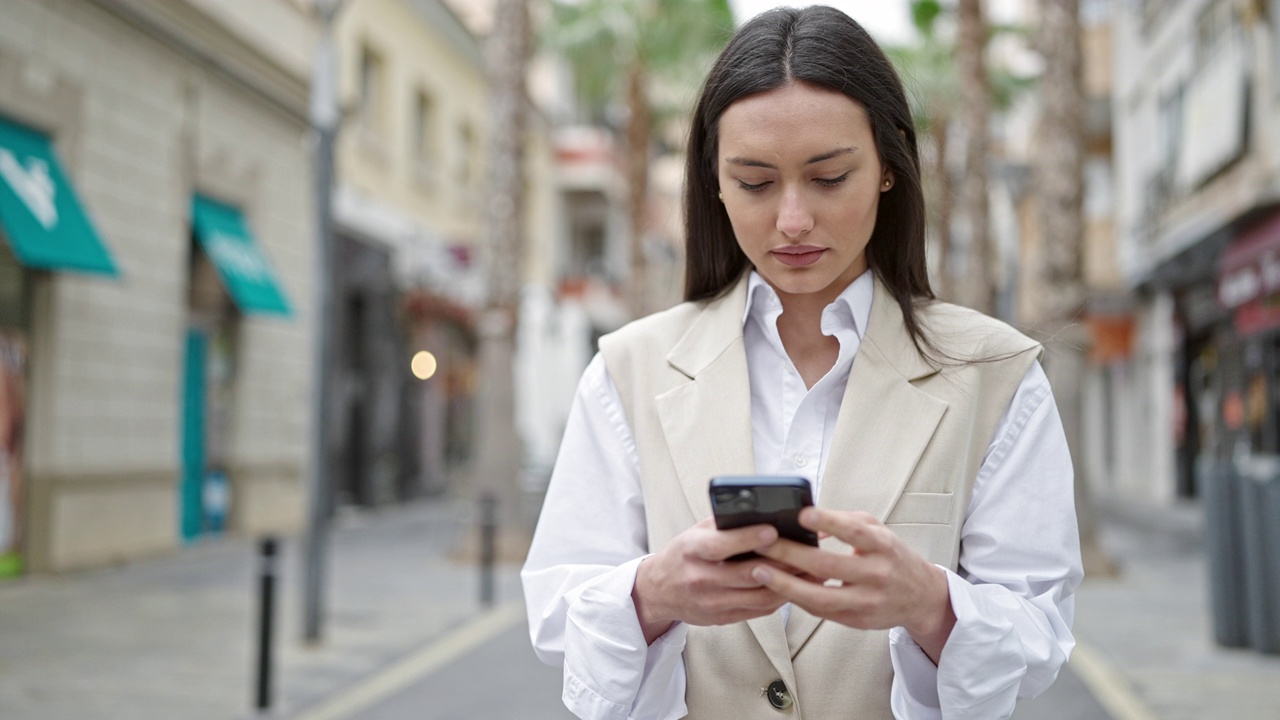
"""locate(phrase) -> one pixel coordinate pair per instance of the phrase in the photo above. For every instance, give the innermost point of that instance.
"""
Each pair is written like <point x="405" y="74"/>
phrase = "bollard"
<point x="266" y="619"/>
<point x="488" y="546"/>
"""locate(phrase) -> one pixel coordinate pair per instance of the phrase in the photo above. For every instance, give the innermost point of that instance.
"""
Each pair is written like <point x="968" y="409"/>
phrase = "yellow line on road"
<point x="1108" y="684"/>
<point x="419" y="665"/>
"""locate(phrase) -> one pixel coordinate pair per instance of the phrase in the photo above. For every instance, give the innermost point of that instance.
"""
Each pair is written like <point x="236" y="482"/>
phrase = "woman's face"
<point x="801" y="181"/>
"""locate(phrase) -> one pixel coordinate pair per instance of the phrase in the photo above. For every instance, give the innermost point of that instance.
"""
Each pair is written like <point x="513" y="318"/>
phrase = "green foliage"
<point x="928" y="68"/>
<point x="924" y="13"/>
<point x="670" y="41"/>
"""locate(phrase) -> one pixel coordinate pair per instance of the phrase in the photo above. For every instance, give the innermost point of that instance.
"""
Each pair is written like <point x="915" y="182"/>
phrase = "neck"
<point x="800" y="329"/>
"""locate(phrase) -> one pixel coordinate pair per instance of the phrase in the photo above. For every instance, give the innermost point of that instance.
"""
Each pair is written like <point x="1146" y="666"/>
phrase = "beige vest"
<point x="908" y="442"/>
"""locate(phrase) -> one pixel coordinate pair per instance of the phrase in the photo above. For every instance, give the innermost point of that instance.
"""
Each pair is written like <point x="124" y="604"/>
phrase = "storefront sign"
<point x="39" y="211"/>
<point x="1250" y="268"/>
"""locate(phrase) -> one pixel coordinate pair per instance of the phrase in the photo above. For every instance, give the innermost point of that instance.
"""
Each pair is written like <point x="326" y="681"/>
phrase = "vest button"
<point x="778" y="694"/>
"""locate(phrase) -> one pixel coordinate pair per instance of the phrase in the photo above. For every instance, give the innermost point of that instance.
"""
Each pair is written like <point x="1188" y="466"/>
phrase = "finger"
<point x="735" y="575"/>
<point x="820" y="600"/>
<point x="807" y="559"/>
<point x="724" y="544"/>
<point x="859" y="529"/>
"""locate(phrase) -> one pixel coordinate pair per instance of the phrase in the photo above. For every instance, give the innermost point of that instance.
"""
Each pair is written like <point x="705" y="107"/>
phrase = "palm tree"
<point x="508" y="48"/>
<point x="620" y="52"/>
<point x="975" y="94"/>
<point x="928" y="68"/>
<point x="1058" y="167"/>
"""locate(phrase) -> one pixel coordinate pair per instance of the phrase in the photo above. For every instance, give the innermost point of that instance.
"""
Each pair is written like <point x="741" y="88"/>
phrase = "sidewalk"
<point x="175" y="637"/>
<point x="1146" y="637"/>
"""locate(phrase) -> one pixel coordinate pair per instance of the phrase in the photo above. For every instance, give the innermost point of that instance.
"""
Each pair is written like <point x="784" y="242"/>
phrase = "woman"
<point x="810" y="344"/>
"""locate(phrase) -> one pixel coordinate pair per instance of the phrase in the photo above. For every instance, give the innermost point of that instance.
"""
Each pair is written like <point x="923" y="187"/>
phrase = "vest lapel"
<point x="883" y="427"/>
<point x="707" y="425"/>
<point x="707" y="420"/>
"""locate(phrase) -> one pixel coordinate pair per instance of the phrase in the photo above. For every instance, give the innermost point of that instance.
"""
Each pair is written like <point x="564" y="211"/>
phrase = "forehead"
<point x="794" y="119"/>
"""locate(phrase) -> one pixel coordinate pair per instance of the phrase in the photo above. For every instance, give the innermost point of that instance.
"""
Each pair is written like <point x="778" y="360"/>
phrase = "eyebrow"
<point x="748" y="162"/>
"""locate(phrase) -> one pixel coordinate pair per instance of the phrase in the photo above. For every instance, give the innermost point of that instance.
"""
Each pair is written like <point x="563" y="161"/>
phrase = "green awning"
<point x="44" y="221"/>
<point x="244" y="270"/>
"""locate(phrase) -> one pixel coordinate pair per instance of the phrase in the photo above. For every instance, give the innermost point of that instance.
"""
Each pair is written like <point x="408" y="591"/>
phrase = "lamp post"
<point x="324" y="117"/>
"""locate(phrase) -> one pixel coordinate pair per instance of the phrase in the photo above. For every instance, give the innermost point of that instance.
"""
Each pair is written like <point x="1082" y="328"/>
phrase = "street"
<point x="498" y="680"/>
<point x="501" y="679"/>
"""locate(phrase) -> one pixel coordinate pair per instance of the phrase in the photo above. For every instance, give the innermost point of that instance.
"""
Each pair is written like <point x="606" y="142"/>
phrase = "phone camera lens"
<point x="745" y="502"/>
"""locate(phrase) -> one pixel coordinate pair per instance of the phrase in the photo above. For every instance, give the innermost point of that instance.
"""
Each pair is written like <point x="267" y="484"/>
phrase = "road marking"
<point x="420" y="664"/>
<point x="1108" y="684"/>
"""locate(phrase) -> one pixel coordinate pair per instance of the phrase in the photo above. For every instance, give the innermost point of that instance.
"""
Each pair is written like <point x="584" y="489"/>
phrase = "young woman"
<point x="810" y="344"/>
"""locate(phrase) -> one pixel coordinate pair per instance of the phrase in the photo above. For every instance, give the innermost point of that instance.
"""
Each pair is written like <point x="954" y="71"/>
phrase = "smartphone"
<point x="739" y="500"/>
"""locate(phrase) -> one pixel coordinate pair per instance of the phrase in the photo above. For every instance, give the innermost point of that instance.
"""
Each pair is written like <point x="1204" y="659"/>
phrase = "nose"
<point x="794" y="218"/>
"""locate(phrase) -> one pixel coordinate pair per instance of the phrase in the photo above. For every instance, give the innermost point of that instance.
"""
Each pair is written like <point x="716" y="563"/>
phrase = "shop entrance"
<point x="15" y="319"/>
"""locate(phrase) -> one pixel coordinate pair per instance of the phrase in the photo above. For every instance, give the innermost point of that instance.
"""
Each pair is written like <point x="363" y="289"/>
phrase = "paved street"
<point x="406" y="638"/>
<point x="500" y="680"/>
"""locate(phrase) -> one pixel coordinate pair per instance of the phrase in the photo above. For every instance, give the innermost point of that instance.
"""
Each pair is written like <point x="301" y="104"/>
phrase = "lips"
<point x="798" y="255"/>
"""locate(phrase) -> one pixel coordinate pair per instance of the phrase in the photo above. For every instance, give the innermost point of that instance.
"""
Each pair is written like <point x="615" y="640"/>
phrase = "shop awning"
<point x="44" y="221"/>
<point x="1250" y="268"/>
<point x="244" y="270"/>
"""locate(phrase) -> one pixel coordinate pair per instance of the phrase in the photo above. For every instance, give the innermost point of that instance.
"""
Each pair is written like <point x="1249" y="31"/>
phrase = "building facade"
<point x="1197" y="130"/>
<point x="163" y="394"/>
<point x="409" y="209"/>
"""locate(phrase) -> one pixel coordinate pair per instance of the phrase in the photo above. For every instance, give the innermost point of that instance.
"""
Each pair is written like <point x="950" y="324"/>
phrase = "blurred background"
<point x="327" y="272"/>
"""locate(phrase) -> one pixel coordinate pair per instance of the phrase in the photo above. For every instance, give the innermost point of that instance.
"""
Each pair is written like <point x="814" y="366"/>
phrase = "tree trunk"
<point x="638" y="130"/>
<point x="1059" y="182"/>
<point x="498" y="446"/>
<point x="975" y="98"/>
<point x="943" y="202"/>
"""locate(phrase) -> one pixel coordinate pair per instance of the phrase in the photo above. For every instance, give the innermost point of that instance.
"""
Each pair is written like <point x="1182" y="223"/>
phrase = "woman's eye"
<point x="832" y="182"/>
<point x="757" y="187"/>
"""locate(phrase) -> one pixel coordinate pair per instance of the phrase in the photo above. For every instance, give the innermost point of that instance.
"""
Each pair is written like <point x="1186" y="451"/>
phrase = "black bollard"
<point x="266" y="618"/>
<point x="488" y="546"/>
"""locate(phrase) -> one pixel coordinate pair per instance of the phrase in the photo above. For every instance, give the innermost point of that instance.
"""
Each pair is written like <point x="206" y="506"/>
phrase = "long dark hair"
<point x="824" y="47"/>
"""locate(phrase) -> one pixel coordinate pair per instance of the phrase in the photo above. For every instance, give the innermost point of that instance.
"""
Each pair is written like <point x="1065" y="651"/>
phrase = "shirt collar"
<point x="851" y="309"/>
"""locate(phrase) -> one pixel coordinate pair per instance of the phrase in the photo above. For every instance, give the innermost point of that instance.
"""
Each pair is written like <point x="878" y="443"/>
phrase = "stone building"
<point x="163" y="394"/>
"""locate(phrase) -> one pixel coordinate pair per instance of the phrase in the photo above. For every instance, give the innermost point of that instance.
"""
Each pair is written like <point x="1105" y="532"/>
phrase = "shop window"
<point x="15" y="303"/>
<point x="209" y="395"/>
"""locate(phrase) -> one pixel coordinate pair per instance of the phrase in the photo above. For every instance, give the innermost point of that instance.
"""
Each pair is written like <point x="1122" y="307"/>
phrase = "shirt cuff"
<point x="609" y="670"/>
<point x="979" y="671"/>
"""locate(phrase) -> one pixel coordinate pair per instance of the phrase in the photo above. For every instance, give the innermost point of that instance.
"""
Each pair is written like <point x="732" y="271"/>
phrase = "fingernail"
<point x="768" y="534"/>
<point x="761" y="575"/>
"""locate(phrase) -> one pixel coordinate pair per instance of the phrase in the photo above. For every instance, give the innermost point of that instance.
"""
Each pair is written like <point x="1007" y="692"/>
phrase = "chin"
<point x="792" y="282"/>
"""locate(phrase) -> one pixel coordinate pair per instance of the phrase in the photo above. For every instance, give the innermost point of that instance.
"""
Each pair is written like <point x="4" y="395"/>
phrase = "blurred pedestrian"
<point x="810" y="343"/>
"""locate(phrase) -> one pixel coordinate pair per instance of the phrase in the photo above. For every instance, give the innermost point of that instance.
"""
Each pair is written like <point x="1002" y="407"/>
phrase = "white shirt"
<point x="1019" y="554"/>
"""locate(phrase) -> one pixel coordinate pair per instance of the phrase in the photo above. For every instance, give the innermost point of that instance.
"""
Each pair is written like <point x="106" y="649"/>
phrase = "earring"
<point x="721" y="196"/>
<point x="888" y="183"/>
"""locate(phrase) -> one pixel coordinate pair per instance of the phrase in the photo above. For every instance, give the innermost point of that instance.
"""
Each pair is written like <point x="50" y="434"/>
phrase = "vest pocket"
<point x="919" y="508"/>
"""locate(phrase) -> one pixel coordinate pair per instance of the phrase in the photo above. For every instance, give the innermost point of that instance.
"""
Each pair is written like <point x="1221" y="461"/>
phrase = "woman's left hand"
<point x="884" y="583"/>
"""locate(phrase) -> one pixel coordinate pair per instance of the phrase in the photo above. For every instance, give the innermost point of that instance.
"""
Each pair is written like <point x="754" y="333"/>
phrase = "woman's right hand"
<point x="689" y="580"/>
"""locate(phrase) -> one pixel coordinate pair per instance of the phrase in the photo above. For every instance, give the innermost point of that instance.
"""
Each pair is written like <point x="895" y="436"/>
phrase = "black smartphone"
<point x="739" y="500"/>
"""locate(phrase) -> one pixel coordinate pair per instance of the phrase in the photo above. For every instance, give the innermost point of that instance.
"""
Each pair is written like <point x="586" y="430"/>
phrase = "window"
<point x="1169" y="134"/>
<point x="467" y="175"/>
<point x="1216" y="29"/>
<point x="372" y="98"/>
<point x="423" y="134"/>
<point x="1274" y="12"/>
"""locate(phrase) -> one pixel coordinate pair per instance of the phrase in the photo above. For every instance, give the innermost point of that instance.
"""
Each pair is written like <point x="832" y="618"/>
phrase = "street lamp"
<point x="324" y="117"/>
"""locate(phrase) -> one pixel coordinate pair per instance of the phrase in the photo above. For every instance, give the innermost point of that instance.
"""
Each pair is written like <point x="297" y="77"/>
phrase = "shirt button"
<point x="801" y="461"/>
<point x="778" y="694"/>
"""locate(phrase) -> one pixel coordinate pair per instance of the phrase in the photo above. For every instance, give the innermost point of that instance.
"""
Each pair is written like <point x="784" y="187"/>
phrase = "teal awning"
<point x="44" y="221"/>
<point x="245" y="272"/>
